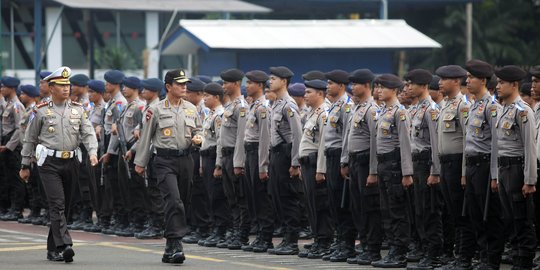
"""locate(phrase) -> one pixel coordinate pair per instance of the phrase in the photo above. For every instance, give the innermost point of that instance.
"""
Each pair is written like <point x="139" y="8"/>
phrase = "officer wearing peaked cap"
<point x="54" y="143"/>
<point x="394" y="169"/>
<point x="284" y="169"/>
<point x="313" y="164"/>
<point x="481" y="163"/>
<point x="11" y="189"/>
<point x="334" y="134"/>
<point x="257" y="146"/>
<point x="172" y="127"/>
<point x="517" y="163"/>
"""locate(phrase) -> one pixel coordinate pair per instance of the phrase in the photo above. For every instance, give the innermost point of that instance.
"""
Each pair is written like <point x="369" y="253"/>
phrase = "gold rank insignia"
<point x="49" y="112"/>
<point x="506" y="125"/>
<point x="523" y="115"/>
<point x="189" y="112"/>
<point x="476" y="131"/>
<point x="402" y="116"/>
<point x="324" y="119"/>
<point x="167" y="132"/>
<point x="65" y="73"/>
<point x="447" y="117"/>
<point x="493" y="111"/>
<point x="50" y="129"/>
<point x="263" y="114"/>
<point x="447" y="125"/>
<point x="385" y="131"/>
<point x="290" y="112"/>
<point x="347" y="108"/>
<point x="218" y="122"/>
<point x="476" y="122"/>
<point x="433" y="115"/>
<point x="242" y="112"/>
<point x="74" y="112"/>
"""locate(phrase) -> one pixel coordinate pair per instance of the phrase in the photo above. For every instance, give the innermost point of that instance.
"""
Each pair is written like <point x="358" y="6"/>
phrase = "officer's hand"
<point x="93" y="160"/>
<point x="294" y="172"/>
<point x="197" y="139"/>
<point x="218" y="173"/>
<point x="114" y="129"/>
<point x="238" y="171"/>
<point x="3" y="148"/>
<point x="494" y="186"/>
<point x="137" y="134"/>
<point x="263" y="176"/>
<point x="528" y="189"/>
<point x="139" y="170"/>
<point x="407" y="181"/>
<point x="433" y="180"/>
<point x="24" y="174"/>
<point x="105" y="158"/>
<point x="98" y="132"/>
<point x="463" y="182"/>
<point x="345" y="172"/>
<point x="128" y="156"/>
<point x="320" y="177"/>
<point x="372" y="180"/>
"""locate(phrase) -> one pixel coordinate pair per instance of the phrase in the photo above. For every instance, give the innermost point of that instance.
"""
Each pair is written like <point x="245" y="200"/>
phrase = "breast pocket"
<point x="449" y="123"/>
<point x="385" y="129"/>
<point x="507" y="131"/>
<point x="190" y="127"/>
<point x="166" y="128"/>
<point x="476" y="127"/>
<point x="129" y="118"/>
<point x="417" y="127"/>
<point x="74" y="125"/>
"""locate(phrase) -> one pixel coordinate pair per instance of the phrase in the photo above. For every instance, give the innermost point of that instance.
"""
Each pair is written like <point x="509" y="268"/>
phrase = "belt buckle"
<point x="65" y="154"/>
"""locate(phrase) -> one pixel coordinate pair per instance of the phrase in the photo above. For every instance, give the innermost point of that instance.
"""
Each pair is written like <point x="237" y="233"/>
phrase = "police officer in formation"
<point x="363" y="168"/>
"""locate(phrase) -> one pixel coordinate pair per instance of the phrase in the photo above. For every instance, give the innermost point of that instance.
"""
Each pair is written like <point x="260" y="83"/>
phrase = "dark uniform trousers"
<point x="86" y="187"/>
<point x="460" y="235"/>
<point x="132" y="192"/>
<point x="120" y="210"/>
<point x="236" y="189"/>
<point x="219" y="210"/>
<point x="284" y="190"/>
<point x="104" y="206"/>
<point x="518" y="209"/>
<point x="428" y="205"/>
<point x="12" y="189"/>
<point x="342" y="215"/>
<point x="491" y="233"/>
<point x="536" y="204"/>
<point x="58" y="176"/>
<point x="174" y="175"/>
<point x="395" y="202"/>
<point x="365" y="202"/>
<point x="39" y="199"/>
<point x="318" y="204"/>
<point x="200" y="198"/>
<point x="153" y="201"/>
<point x="260" y="197"/>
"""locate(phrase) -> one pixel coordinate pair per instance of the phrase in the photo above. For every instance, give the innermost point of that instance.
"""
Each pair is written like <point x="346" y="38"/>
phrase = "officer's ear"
<point x="168" y="87"/>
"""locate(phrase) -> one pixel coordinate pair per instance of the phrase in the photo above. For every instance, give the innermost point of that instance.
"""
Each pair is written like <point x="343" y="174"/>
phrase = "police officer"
<point x="153" y="200"/>
<point x="517" y="164"/>
<point x="56" y="128"/>
<point x="334" y="134"/>
<point x="434" y="91"/>
<point x="451" y="132"/>
<point x="199" y="211"/>
<point x="426" y="167"/>
<point x="360" y="147"/>
<point x="220" y="210"/>
<point x="12" y="190"/>
<point x="29" y="97"/>
<point x="131" y="185"/>
<point x="297" y="92"/>
<point x="44" y="93"/>
<point x="394" y="170"/>
<point x="257" y="146"/>
<point x="284" y="169"/>
<point x="313" y="164"/>
<point x="481" y="166"/>
<point x="113" y="109"/>
<point x="172" y="127"/>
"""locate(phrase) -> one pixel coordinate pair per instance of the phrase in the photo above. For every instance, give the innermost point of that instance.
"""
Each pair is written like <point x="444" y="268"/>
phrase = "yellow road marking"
<point x="260" y="266"/>
<point x="10" y="249"/>
<point x="18" y="243"/>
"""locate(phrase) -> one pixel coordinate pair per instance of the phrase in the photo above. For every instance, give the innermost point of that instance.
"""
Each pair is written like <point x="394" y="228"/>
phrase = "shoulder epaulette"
<point x="42" y="104"/>
<point x="76" y="103"/>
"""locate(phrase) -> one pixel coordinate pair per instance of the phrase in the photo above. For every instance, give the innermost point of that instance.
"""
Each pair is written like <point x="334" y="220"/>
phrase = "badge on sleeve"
<point x="433" y="115"/>
<point x="347" y="108"/>
<point x="218" y="122"/>
<point x="523" y="115"/>
<point x="242" y="111"/>
<point x="465" y="112"/>
<point x="290" y="112"/>
<point x="402" y="116"/>
<point x="493" y="111"/>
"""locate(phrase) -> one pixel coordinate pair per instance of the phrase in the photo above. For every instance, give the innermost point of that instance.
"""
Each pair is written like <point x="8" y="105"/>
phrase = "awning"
<point x="193" y="6"/>
<point x="294" y="34"/>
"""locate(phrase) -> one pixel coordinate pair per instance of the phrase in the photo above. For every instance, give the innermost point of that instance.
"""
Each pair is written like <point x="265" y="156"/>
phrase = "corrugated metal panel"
<point x="233" y="6"/>
<point x="297" y="34"/>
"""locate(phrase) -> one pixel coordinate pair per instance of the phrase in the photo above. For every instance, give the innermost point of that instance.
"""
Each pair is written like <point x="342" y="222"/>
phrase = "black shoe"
<point x="150" y="233"/>
<point x="216" y="237"/>
<point x="343" y="255"/>
<point x="308" y="245"/>
<point x="426" y="263"/>
<point x="130" y="230"/>
<point x="28" y="220"/>
<point x="415" y="255"/>
<point x="248" y="247"/>
<point x="68" y="254"/>
<point x="55" y="256"/>
<point x="12" y="216"/>
<point x="288" y="249"/>
<point x="272" y="250"/>
<point x="305" y="233"/>
<point x="447" y="258"/>
<point x="92" y="228"/>
<point x="278" y="232"/>
<point x="368" y="257"/>
<point x="391" y="261"/>
<point x="458" y="264"/>
<point x="353" y="260"/>
<point x="224" y="243"/>
<point x="483" y="266"/>
<point x="262" y="246"/>
<point x="41" y="220"/>
<point x="194" y="237"/>
<point x="174" y="252"/>
<point x="111" y="230"/>
<point x="236" y="244"/>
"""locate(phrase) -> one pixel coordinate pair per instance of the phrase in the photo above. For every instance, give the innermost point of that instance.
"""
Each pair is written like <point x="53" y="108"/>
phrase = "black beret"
<point x="316" y="84"/>
<point x="511" y="73"/>
<point x="152" y="84"/>
<point x="313" y="75"/>
<point x="79" y="80"/>
<point x="419" y="76"/>
<point x="390" y="81"/>
<point x="451" y="71"/>
<point x="29" y="90"/>
<point x="492" y="82"/>
<point x="204" y="78"/>
<point x="44" y="74"/>
<point x="434" y="84"/>
<point x="338" y="76"/>
<point x="213" y="89"/>
<point x="297" y="89"/>
<point x="96" y="86"/>
<point x="9" y="81"/>
<point x="232" y="75"/>
<point x="525" y="89"/>
<point x="361" y="76"/>
<point x="535" y="71"/>
<point x="281" y="71"/>
<point x="114" y="76"/>
<point x="257" y="76"/>
<point x="479" y="69"/>
<point x="176" y="75"/>
<point x="132" y="82"/>
<point x="195" y="85"/>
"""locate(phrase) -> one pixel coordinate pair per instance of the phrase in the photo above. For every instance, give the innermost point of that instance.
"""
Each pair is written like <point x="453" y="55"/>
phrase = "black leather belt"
<point x="507" y="161"/>
<point x="162" y="152"/>
<point x="450" y="158"/>
<point x="477" y="159"/>
<point x="211" y="151"/>
<point x="394" y="155"/>
<point x="251" y="146"/>
<point x="282" y="147"/>
<point x="424" y="155"/>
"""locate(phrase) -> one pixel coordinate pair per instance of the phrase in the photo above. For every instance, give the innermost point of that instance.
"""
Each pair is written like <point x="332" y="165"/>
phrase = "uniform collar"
<point x="118" y="95"/>
<point x="366" y="102"/>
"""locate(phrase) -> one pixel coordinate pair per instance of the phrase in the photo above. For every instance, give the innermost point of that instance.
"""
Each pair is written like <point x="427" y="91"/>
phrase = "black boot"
<point x="322" y="249"/>
<point x="264" y="244"/>
<point x="291" y="245"/>
<point x="68" y="254"/>
<point x="174" y="252"/>
<point x="346" y="251"/>
<point x="200" y="233"/>
<point x="395" y="259"/>
<point x="217" y="236"/>
<point x="241" y="239"/>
